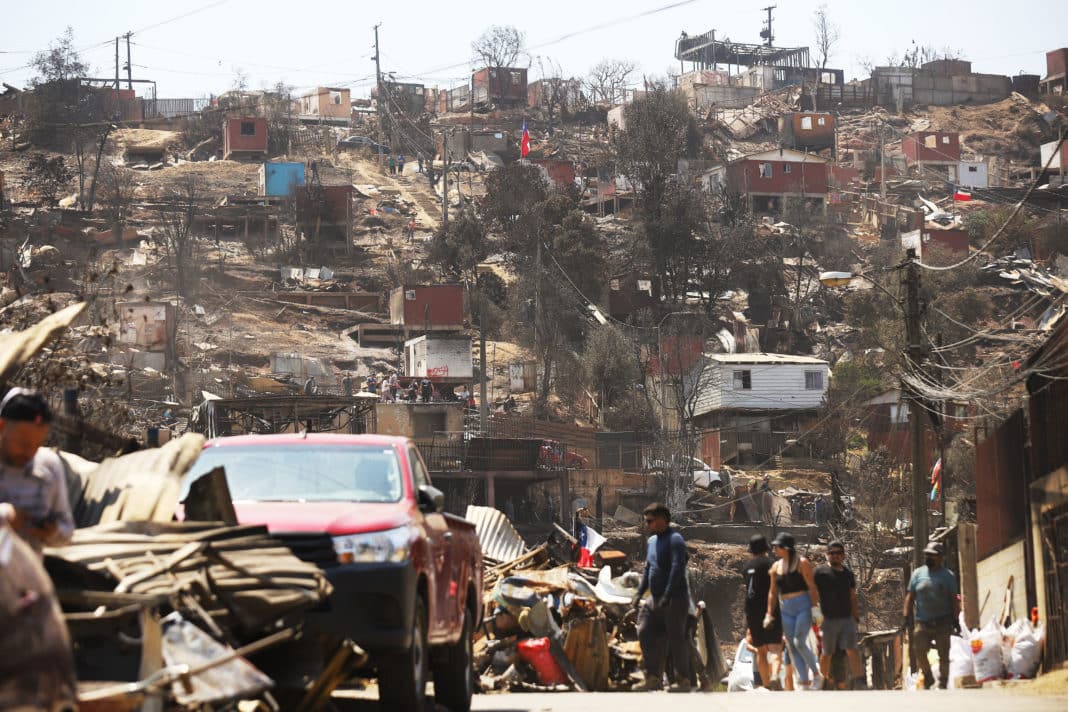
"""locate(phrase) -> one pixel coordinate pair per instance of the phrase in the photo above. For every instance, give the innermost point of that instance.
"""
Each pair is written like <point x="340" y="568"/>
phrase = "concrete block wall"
<point x="993" y="574"/>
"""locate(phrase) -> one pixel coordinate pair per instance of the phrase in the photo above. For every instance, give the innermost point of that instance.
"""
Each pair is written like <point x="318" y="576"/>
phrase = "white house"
<point x="756" y="403"/>
<point x="762" y="382"/>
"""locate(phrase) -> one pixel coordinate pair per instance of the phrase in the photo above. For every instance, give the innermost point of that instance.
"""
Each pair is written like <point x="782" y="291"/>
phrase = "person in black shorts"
<point x="766" y="640"/>
<point x="838" y="600"/>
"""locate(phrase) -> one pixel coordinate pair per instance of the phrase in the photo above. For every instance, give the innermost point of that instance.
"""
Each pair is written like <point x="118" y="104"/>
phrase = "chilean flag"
<point x="524" y="144"/>
<point x="962" y="196"/>
<point x="589" y="541"/>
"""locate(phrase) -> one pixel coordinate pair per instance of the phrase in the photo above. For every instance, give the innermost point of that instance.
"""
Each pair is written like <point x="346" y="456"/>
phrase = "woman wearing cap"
<point x="793" y="589"/>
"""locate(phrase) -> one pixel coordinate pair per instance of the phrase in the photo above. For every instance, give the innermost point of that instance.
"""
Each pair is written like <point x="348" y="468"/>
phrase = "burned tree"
<point x="827" y="34"/>
<point x="607" y="80"/>
<point x="499" y="46"/>
<point x="117" y="188"/>
<point x="177" y="214"/>
<point x="48" y="176"/>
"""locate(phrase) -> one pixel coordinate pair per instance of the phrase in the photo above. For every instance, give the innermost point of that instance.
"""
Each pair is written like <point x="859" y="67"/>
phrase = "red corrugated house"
<point x="933" y="152"/>
<point x="559" y="171"/>
<point x="245" y="138"/>
<point x="769" y="179"/>
<point x="1056" y="79"/>
<point x="438" y="307"/>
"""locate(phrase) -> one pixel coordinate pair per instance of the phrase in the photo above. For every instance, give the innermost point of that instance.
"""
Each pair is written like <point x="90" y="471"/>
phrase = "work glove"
<point x="769" y="621"/>
<point x="817" y="615"/>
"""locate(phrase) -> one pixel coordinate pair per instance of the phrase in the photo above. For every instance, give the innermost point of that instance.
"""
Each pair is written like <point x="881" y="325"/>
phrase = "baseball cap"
<point x="933" y="547"/>
<point x="785" y="540"/>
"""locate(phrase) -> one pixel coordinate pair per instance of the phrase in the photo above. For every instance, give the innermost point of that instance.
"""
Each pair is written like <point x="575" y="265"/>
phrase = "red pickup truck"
<point x="407" y="577"/>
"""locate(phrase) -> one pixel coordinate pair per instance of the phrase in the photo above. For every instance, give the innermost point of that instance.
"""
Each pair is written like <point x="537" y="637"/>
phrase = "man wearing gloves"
<point x="933" y="591"/>
<point x="793" y="589"/>
<point x="663" y="616"/>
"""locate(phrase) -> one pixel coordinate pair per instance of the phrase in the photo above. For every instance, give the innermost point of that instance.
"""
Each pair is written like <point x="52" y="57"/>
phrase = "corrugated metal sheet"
<point x="498" y="538"/>
<point x="142" y="486"/>
<point x="1000" y="486"/>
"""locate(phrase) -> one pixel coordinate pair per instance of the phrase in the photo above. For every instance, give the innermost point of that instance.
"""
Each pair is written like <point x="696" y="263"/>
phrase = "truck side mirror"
<point x="430" y="499"/>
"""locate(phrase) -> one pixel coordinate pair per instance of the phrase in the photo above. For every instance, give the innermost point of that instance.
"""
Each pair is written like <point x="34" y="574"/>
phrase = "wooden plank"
<point x="969" y="579"/>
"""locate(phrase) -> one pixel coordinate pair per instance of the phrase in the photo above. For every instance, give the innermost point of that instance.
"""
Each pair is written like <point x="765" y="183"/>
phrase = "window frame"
<point x="743" y="376"/>
<point x="250" y="126"/>
<point x="814" y="380"/>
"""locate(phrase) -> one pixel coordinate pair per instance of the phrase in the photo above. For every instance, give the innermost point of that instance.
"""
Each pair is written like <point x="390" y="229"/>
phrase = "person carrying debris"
<point x="838" y="601"/>
<point x="932" y="593"/>
<point x="767" y="641"/>
<point x="33" y="486"/>
<point x="663" y="617"/>
<point x="794" y="591"/>
<point x="392" y="165"/>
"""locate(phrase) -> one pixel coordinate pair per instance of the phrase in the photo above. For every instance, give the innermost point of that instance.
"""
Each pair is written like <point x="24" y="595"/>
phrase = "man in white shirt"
<point x="33" y="486"/>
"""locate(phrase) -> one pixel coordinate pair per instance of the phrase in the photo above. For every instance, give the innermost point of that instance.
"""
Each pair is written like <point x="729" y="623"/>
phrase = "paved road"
<point x="873" y="701"/>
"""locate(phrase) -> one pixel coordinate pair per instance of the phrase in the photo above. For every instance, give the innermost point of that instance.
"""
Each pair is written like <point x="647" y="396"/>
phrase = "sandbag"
<point x="1026" y="651"/>
<point x="961" y="662"/>
<point x="986" y="653"/>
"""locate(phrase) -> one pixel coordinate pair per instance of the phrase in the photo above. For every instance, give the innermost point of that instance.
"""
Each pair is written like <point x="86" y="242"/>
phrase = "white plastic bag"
<point x="1026" y="652"/>
<point x="986" y="653"/>
<point x="961" y="662"/>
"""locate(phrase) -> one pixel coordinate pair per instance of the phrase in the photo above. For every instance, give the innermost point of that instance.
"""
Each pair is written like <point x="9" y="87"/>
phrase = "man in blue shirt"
<point x="663" y="616"/>
<point x="933" y="593"/>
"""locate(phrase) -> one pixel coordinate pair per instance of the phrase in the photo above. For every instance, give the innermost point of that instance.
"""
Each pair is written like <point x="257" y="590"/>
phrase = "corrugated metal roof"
<point x="765" y="358"/>
<point x="498" y="538"/>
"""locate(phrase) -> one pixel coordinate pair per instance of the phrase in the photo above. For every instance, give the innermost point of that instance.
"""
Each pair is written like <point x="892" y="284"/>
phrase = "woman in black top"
<point x="793" y="588"/>
<point x="766" y="641"/>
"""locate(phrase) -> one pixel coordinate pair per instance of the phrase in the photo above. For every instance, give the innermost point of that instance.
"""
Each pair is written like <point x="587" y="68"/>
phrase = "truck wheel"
<point x="402" y="676"/>
<point x="454" y="675"/>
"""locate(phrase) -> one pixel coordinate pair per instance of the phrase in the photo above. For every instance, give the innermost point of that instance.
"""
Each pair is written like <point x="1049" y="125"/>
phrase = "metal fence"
<point x="171" y="108"/>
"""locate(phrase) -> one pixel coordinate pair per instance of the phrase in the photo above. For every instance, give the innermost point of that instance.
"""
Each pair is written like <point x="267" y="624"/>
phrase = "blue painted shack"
<point x="281" y="179"/>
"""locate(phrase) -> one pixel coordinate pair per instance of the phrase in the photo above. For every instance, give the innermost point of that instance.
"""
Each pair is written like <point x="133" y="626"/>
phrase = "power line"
<point x="179" y="17"/>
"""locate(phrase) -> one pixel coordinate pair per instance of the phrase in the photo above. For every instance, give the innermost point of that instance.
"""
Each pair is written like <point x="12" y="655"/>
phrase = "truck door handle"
<point x="448" y="536"/>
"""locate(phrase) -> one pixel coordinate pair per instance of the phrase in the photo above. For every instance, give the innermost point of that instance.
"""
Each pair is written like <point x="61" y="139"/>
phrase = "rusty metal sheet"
<point x="141" y="486"/>
<point x="498" y="538"/>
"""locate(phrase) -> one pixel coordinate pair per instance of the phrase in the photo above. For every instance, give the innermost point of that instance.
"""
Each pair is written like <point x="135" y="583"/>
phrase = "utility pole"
<point x="766" y="33"/>
<point x="914" y="353"/>
<point x="444" y="178"/>
<point x="129" y="67"/>
<point x="483" y="404"/>
<point x="882" y="166"/>
<point x="116" y="64"/>
<point x="378" y="85"/>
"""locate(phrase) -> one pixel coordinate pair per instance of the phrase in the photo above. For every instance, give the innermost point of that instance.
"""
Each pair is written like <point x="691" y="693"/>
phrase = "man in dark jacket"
<point x="663" y="616"/>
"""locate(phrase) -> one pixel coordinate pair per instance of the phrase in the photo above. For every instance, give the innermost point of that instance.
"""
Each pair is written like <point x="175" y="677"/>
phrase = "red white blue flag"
<point x="524" y="144"/>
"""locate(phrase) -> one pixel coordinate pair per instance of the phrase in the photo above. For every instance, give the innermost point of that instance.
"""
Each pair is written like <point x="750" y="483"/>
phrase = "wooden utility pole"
<point x="882" y="166"/>
<point x="914" y="353"/>
<point x="444" y="178"/>
<point x="483" y="404"/>
<point x="129" y="67"/>
<point x="378" y="85"/>
<point x="116" y="64"/>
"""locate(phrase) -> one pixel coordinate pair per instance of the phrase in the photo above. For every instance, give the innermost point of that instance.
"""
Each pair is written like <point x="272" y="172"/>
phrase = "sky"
<point x="199" y="47"/>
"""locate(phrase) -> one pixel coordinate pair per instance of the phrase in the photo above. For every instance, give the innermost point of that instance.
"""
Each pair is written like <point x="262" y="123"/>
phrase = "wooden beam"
<point x="969" y="580"/>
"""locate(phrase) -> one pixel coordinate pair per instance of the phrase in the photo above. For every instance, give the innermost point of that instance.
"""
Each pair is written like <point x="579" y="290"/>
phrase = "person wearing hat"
<point x="932" y="599"/>
<point x="766" y="641"/>
<point x="33" y="486"/>
<point x="793" y="589"/>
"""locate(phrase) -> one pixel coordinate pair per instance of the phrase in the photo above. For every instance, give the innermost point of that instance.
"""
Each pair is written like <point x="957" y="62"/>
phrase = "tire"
<point x="454" y="674"/>
<point x="402" y="676"/>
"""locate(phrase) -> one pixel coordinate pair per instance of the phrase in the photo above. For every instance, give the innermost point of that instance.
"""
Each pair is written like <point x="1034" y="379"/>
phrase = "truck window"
<point x="419" y="474"/>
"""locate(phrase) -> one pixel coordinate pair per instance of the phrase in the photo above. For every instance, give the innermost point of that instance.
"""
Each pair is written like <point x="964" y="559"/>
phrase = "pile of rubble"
<point x="555" y="625"/>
